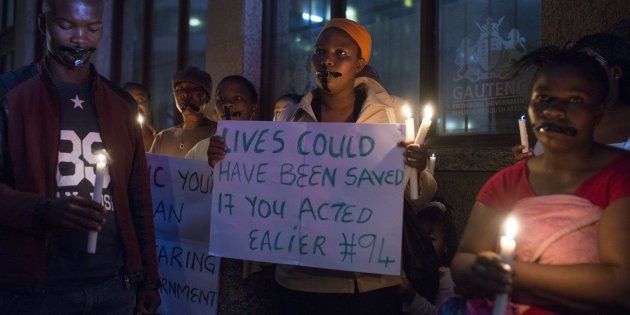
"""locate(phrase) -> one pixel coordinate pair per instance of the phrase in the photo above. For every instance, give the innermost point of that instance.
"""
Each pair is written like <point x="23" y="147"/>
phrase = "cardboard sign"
<point x="181" y="191"/>
<point x="325" y="195"/>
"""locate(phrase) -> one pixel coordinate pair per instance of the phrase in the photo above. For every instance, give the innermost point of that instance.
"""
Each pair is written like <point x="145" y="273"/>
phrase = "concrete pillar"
<point x="25" y="32"/>
<point x="234" y="41"/>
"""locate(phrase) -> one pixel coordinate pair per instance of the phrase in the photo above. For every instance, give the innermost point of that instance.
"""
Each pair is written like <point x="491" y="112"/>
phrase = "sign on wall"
<point x="181" y="192"/>
<point x="320" y="195"/>
<point x="479" y="42"/>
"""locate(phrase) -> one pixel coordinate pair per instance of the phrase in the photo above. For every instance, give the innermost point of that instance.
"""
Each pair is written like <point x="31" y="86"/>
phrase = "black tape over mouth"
<point x="229" y="113"/>
<point x="78" y="54"/>
<point x="327" y="74"/>
<point x="548" y="126"/>
<point x="190" y="106"/>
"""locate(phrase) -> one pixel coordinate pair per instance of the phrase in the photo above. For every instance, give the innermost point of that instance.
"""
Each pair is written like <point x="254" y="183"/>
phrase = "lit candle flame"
<point x="522" y="117"/>
<point x="140" y="119"/>
<point x="510" y="227"/>
<point x="101" y="158"/>
<point x="427" y="112"/>
<point x="407" y="111"/>
<point x="433" y="155"/>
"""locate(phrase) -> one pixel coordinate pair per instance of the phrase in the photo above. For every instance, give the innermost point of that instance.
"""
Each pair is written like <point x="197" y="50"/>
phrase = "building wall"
<point x="234" y="47"/>
<point x="461" y="172"/>
<point x="234" y="40"/>
<point x="26" y="26"/>
<point x="568" y="20"/>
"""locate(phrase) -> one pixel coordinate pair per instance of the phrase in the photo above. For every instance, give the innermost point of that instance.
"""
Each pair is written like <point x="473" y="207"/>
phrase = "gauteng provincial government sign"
<point x="325" y="195"/>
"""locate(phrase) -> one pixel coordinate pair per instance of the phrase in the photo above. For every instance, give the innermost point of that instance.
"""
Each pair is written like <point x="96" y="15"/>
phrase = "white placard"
<point x="181" y="191"/>
<point x="326" y="195"/>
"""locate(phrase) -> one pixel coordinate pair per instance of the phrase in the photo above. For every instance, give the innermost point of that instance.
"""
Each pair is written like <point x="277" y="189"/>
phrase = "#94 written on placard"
<point x="323" y="195"/>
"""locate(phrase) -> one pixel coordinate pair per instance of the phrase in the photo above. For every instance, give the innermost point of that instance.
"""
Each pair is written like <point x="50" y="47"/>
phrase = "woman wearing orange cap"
<point x="341" y="52"/>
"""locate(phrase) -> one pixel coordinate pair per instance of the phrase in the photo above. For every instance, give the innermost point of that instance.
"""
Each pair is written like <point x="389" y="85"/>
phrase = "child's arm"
<point x="419" y="306"/>
<point x="447" y="287"/>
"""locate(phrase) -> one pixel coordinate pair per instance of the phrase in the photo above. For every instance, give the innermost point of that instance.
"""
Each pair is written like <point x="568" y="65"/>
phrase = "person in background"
<point x="237" y="99"/>
<point x="57" y="116"/>
<point x="143" y="97"/>
<point x="192" y="89"/>
<point x="613" y="54"/>
<point x="433" y="220"/>
<point x="245" y="287"/>
<point x="342" y="50"/>
<point x="283" y="102"/>
<point x="571" y="203"/>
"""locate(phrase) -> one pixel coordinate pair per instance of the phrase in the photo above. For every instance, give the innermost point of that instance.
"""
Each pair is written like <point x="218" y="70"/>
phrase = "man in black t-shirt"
<point x="56" y="117"/>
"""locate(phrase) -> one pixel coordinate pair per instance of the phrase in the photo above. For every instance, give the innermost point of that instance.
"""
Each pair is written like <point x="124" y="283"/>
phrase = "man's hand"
<point x="517" y="151"/>
<point x="415" y="155"/>
<point x="147" y="302"/>
<point x="216" y="150"/>
<point x="74" y="213"/>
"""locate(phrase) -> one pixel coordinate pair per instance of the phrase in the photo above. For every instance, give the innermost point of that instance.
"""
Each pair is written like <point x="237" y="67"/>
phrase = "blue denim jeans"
<point x="108" y="297"/>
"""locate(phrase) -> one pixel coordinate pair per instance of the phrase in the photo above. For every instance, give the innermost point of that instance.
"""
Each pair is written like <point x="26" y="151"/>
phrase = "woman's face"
<point x="437" y="236"/>
<point x="234" y="97"/>
<point x="336" y="61"/>
<point x="565" y="105"/>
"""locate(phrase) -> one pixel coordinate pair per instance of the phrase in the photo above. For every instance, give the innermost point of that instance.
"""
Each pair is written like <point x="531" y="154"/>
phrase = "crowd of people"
<point x="571" y="194"/>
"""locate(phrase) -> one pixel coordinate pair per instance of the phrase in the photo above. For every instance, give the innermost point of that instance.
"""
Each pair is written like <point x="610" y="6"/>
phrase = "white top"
<point x="420" y="306"/>
<point x="200" y="150"/>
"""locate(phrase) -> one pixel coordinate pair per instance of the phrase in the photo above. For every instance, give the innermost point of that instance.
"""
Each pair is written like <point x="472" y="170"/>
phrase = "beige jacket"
<point x="378" y="107"/>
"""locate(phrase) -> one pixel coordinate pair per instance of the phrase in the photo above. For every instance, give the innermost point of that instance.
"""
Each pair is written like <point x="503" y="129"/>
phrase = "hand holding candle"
<point x="412" y="176"/>
<point x="97" y="197"/>
<point x="507" y="246"/>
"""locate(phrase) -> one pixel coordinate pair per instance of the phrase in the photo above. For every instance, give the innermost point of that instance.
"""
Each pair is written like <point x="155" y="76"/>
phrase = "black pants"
<point x="382" y="301"/>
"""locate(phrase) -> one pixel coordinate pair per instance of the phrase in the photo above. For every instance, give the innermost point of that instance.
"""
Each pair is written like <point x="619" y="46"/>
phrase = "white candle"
<point x="507" y="246"/>
<point x="409" y="123"/>
<point x="422" y="134"/>
<point x="97" y="196"/>
<point x="522" y="128"/>
<point x="431" y="166"/>
<point x="411" y="174"/>
<point x="425" y="125"/>
<point x="140" y="119"/>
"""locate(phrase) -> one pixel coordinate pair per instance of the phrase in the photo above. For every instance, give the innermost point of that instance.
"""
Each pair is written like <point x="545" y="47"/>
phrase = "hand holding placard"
<point x="422" y="133"/>
<point x="319" y="195"/>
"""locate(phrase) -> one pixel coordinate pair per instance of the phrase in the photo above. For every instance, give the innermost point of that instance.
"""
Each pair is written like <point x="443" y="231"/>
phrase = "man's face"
<point x="142" y="98"/>
<point x="73" y="30"/>
<point x="190" y="98"/>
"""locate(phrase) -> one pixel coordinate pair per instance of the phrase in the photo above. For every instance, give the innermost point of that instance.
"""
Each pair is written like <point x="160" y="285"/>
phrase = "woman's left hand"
<point x="415" y="155"/>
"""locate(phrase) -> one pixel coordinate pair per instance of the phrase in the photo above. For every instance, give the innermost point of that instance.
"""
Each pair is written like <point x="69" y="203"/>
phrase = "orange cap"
<point x="356" y="31"/>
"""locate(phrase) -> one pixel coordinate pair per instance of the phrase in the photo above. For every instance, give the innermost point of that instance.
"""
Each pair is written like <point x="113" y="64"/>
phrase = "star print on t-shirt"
<point x="77" y="102"/>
